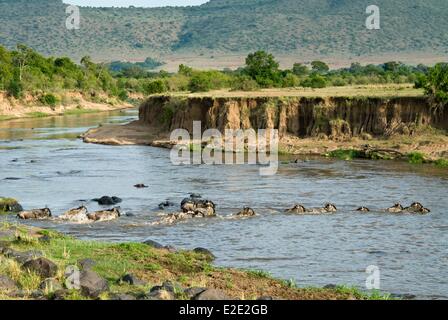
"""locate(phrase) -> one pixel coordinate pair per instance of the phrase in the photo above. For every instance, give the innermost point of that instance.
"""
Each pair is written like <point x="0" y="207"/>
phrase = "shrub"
<point x="48" y="99"/>
<point x="15" y="89"/>
<point x="314" y="81"/>
<point x="123" y="95"/>
<point x="244" y="83"/>
<point x="416" y="158"/>
<point x="155" y="86"/>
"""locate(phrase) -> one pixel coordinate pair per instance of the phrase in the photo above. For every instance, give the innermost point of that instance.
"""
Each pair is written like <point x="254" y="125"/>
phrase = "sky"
<point x="136" y="3"/>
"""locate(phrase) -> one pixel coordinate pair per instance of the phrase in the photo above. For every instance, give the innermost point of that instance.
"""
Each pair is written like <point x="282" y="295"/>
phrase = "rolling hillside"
<point x="221" y="28"/>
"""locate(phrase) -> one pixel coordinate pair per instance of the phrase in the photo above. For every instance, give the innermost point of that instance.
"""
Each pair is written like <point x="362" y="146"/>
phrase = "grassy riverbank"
<point x="111" y="261"/>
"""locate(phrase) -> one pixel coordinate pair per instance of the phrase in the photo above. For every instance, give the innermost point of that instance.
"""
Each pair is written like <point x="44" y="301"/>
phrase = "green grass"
<point x="416" y="158"/>
<point x="358" y="294"/>
<point x="37" y="114"/>
<point x="4" y="202"/>
<point x="5" y="117"/>
<point x="442" y="163"/>
<point x="79" y="111"/>
<point x="151" y="265"/>
<point x="345" y="154"/>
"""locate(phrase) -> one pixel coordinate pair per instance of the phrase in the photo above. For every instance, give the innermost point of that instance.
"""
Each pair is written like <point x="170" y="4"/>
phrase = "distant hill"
<point x="229" y="27"/>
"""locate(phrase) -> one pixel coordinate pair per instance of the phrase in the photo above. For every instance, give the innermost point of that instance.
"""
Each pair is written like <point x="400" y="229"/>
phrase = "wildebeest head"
<point x="329" y="207"/>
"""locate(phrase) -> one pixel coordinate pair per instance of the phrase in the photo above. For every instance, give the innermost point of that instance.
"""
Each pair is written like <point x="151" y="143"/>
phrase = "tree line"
<point x="24" y="70"/>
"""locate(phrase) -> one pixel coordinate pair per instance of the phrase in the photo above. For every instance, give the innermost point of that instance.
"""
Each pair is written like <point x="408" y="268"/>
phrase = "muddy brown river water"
<point x="44" y="164"/>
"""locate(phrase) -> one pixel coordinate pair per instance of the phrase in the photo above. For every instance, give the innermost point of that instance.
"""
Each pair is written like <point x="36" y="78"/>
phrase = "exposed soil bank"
<point x="68" y="102"/>
<point x="33" y="261"/>
<point x="307" y="125"/>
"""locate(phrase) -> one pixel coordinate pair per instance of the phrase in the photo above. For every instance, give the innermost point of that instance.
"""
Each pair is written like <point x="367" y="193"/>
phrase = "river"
<point x="43" y="163"/>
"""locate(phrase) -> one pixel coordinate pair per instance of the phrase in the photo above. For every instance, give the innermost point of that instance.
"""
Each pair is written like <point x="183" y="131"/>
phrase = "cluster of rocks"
<point x="91" y="284"/>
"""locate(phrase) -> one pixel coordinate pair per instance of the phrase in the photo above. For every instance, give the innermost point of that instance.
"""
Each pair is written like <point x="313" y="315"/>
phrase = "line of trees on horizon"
<point x="24" y="70"/>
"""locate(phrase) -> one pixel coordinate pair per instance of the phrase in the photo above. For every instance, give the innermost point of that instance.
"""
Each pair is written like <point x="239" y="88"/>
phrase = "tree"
<point x="320" y="66"/>
<point x="5" y="67"/>
<point x="21" y="58"/>
<point x="185" y="70"/>
<point x="437" y="84"/>
<point x="300" y="69"/>
<point x="262" y="67"/>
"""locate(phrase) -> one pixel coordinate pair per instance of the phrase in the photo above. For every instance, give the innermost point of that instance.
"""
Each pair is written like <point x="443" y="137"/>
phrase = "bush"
<point x="244" y="83"/>
<point x="314" y="81"/>
<point x="15" y="89"/>
<point x="123" y="95"/>
<point x="416" y="158"/>
<point x="155" y="86"/>
<point x="48" y="100"/>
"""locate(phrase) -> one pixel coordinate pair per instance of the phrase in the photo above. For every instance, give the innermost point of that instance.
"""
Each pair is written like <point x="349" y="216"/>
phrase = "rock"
<point x="363" y="209"/>
<point x="172" y="287"/>
<point x="211" y="294"/>
<point x="60" y="294"/>
<point x="9" y="205"/>
<point x="166" y="204"/>
<point x="330" y="286"/>
<point x="41" y="266"/>
<point x="140" y="186"/>
<point x="91" y="284"/>
<point x="7" y="284"/>
<point x="86" y="264"/>
<point x="161" y="294"/>
<point x="108" y="201"/>
<point x="50" y="285"/>
<point x="45" y="239"/>
<point x="4" y="245"/>
<point x="153" y="244"/>
<point x="132" y="280"/>
<point x="123" y="297"/>
<point x="205" y="252"/>
<point x="190" y="293"/>
<point x="195" y="196"/>
<point x="265" y="298"/>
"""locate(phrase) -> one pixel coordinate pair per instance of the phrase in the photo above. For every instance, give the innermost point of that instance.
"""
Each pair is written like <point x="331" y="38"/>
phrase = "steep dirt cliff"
<point x="306" y="125"/>
<point x="334" y="118"/>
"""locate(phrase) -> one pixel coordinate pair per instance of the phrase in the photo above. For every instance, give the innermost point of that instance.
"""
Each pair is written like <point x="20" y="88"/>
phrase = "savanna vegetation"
<point x="24" y="70"/>
<point x="228" y="27"/>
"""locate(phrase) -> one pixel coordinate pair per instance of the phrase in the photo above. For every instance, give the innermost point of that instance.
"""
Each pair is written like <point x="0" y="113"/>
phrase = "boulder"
<point x="91" y="284"/>
<point x="108" y="201"/>
<point x="41" y="266"/>
<point x="211" y="294"/>
<point x="9" y="205"/>
<point x="86" y="264"/>
<point x="50" y="285"/>
<point x="169" y="286"/>
<point x="205" y="252"/>
<point x="153" y="244"/>
<point x="161" y="294"/>
<point x="7" y="284"/>
<point x="190" y="293"/>
<point x="132" y="280"/>
<point x="123" y="297"/>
